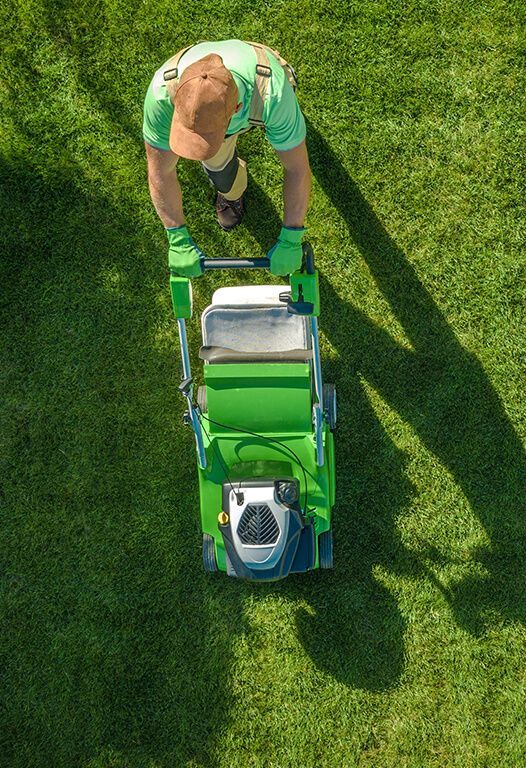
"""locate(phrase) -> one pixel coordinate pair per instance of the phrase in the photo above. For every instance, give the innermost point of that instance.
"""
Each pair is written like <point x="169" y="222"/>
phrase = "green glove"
<point x="184" y="257"/>
<point x="285" y="257"/>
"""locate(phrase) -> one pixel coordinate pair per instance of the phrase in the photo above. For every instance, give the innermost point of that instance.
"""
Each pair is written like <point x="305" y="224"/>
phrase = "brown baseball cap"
<point x="204" y="100"/>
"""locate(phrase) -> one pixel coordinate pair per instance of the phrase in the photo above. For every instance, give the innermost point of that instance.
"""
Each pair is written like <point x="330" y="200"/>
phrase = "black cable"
<point x="237" y="494"/>
<point x="263" y="437"/>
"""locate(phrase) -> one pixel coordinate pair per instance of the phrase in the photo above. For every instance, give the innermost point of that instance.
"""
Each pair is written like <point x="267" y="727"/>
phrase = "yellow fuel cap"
<point x="222" y="518"/>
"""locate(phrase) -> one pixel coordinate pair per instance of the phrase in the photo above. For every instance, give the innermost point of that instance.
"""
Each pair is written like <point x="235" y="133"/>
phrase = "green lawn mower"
<point x="263" y="424"/>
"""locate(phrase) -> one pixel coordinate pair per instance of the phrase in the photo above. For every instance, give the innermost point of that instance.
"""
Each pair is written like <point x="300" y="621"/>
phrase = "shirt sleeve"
<point x="284" y="123"/>
<point x="157" y="119"/>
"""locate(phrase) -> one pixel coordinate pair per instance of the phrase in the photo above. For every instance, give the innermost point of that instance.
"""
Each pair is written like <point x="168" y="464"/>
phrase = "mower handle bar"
<point x="256" y="263"/>
<point x="262" y="263"/>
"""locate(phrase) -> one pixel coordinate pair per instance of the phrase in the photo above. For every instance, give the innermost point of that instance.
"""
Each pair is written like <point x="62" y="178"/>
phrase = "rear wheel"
<point x="209" y="554"/>
<point x="330" y="406"/>
<point x="325" y="549"/>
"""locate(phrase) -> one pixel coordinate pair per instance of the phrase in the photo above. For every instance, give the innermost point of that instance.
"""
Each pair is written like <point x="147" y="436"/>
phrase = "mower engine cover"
<point x="266" y="536"/>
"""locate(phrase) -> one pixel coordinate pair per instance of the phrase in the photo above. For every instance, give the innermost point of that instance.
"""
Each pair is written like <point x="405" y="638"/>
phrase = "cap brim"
<point x="194" y="146"/>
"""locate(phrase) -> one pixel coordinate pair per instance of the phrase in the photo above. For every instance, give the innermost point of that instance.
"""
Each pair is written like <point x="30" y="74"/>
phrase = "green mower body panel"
<point x="261" y="397"/>
<point x="273" y="400"/>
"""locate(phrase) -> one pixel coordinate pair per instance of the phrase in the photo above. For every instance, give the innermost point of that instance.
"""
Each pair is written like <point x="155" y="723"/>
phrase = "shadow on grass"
<point x="115" y="640"/>
<point x="442" y="391"/>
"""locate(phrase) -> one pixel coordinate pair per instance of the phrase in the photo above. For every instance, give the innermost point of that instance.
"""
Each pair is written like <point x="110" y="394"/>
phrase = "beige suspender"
<point x="259" y="93"/>
<point x="263" y="74"/>
<point x="170" y="75"/>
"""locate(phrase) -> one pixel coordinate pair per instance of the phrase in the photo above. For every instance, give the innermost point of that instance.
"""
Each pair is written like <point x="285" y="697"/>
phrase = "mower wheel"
<point x="201" y="398"/>
<point x="329" y="405"/>
<point x="209" y="555"/>
<point x="325" y="549"/>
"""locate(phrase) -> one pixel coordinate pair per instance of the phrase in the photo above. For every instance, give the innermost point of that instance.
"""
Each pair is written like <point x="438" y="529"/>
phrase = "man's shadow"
<point x="442" y="391"/>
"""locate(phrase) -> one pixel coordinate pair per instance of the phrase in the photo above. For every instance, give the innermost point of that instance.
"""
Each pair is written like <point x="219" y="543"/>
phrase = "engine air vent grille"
<point x="258" y="525"/>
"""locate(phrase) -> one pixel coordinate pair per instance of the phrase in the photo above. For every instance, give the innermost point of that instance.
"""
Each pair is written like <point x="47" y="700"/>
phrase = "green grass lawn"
<point x="116" y="650"/>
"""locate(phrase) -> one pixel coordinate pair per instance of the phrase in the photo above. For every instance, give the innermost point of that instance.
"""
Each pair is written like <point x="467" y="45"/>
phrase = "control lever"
<point x="184" y="386"/>
<point x="299" y="307"/>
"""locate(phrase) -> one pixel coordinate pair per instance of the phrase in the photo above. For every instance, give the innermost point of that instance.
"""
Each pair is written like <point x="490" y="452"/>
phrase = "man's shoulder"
<point x="157" y="111"/>
<point x="157" y="87"/>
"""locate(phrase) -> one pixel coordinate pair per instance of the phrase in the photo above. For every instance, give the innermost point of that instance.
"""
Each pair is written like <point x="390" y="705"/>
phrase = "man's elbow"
<point x="161" y="163"/>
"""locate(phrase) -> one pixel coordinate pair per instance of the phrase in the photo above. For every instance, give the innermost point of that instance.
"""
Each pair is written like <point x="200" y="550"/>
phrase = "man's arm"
<point x="164" y="186"/>
<point x="296" y="184"/>
<point x="184" y="257"/>
<point x="285" y="256"/>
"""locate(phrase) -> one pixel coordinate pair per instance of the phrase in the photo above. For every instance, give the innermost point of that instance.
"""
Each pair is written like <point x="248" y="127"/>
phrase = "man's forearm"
<point x="165" y="192"/>
<point x="296" y="193"/>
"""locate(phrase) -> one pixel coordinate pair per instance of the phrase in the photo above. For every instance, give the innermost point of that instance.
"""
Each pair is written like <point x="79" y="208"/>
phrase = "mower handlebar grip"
<point x="260" y="263"/>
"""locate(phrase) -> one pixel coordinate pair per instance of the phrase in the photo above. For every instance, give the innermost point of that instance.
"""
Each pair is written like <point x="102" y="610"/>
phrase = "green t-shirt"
<point x="284" y="123"/>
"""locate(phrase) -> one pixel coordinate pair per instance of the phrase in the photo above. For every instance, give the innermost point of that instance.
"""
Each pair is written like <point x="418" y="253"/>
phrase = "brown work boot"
<point x="229" y="212"/>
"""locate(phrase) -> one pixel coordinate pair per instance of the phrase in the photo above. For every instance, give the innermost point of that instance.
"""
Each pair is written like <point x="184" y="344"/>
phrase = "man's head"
<point x="204" y="99"/>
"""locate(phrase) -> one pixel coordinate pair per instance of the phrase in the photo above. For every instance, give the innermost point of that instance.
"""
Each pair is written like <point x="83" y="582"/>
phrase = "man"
<point x="196" y="106"/>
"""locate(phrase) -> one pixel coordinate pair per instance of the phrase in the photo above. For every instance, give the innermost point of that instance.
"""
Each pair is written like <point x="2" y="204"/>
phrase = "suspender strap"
<point x="171" y="72"/>
<point x="263" y="74"/>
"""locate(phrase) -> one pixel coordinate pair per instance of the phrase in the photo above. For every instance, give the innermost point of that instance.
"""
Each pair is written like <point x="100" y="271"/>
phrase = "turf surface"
<point x="116" y="650"/>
